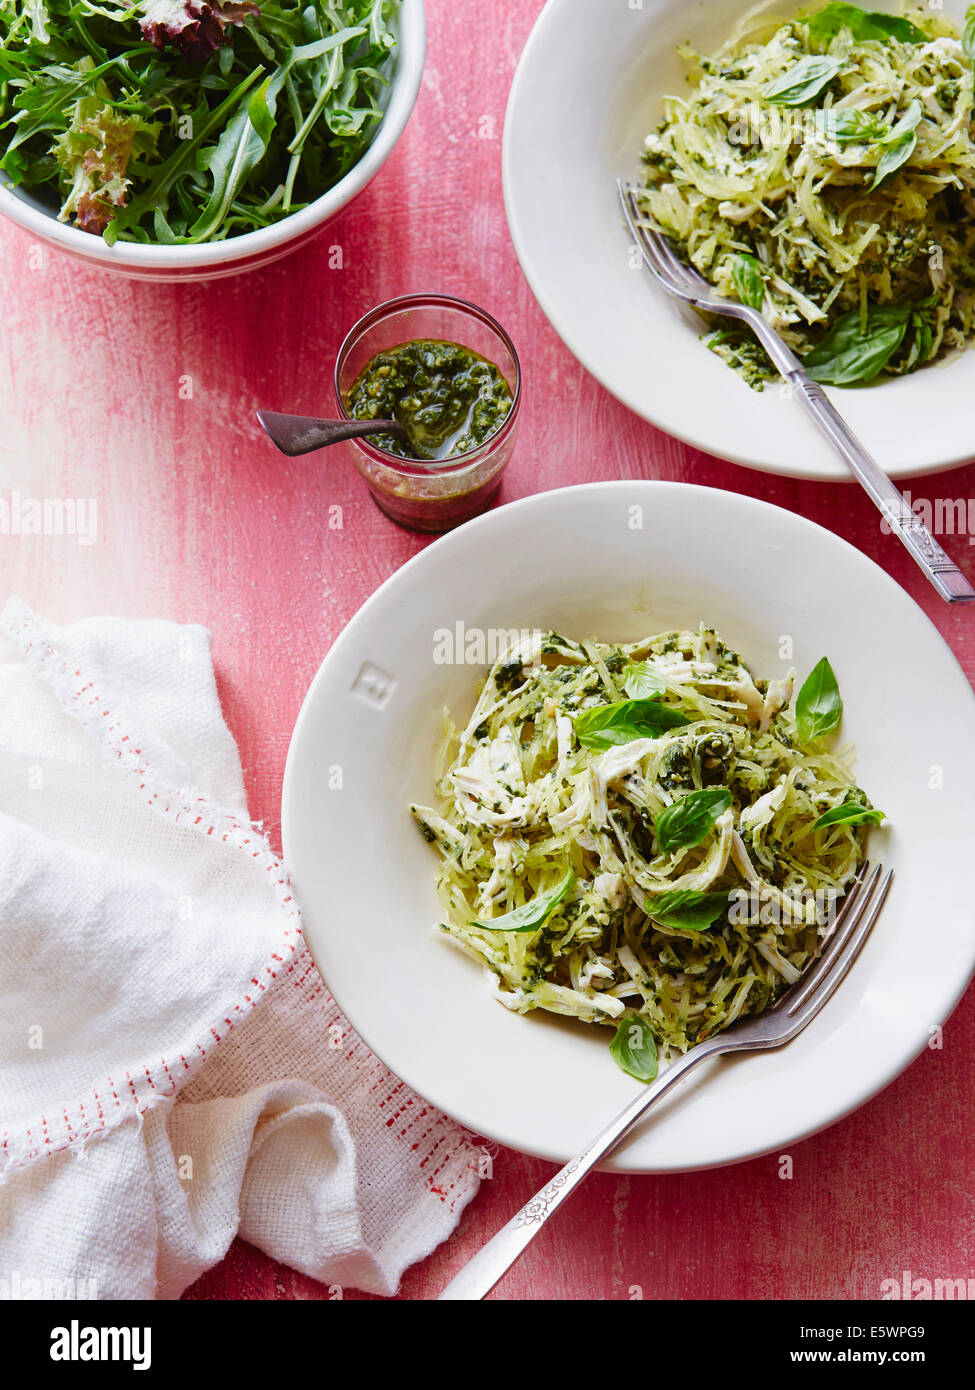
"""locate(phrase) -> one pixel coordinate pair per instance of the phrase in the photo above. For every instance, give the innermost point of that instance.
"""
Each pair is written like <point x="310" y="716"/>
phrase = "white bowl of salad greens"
<point x="188" y="139"/>
<point x="817" y="162"/>
<point x="600" y="758"/>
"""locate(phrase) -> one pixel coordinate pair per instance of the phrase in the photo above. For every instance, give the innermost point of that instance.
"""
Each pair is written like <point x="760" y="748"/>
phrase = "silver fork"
<point x="683" y="282"/>
<point x="797" y="1007"/>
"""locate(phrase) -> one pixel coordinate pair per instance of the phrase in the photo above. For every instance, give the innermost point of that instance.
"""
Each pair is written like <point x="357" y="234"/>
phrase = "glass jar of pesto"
<point x="448" y="372"/>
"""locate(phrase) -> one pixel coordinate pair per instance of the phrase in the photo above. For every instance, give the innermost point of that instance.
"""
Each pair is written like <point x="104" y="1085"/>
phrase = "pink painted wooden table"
<point x="144" y="397"/>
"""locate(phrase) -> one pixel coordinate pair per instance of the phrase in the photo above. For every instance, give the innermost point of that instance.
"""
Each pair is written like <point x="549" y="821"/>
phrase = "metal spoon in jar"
<point x="300" y="434"/>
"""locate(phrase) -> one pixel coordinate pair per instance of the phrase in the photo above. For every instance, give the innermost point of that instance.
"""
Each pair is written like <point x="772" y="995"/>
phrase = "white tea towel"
<point x="173" y="1071"/>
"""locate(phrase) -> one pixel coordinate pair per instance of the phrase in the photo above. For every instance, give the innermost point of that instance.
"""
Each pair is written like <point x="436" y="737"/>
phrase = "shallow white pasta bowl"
<point x="619" y="561"/>
<point x="588" y="89"/>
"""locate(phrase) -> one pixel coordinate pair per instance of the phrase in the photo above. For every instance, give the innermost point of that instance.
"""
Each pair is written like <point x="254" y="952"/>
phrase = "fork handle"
<point x="939" y="567"/>
<point x="479" y="1276"/>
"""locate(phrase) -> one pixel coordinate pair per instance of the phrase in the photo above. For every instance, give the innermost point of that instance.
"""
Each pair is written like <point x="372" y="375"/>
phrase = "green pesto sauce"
<point x="447" y="398"/>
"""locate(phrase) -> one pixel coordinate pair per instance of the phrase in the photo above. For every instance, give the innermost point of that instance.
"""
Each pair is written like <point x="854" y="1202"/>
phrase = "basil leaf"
<point x="818" y="704"/>
<point x="923" y="336"/>
<point x="850" y="813"/>
<point x="968" y="33"/>
<point x="893" y="157"/>
<point x="900" y="143"/>
<point x="609" y="725"/>
<point x="803" y="81"/>
<point x="687" y="821"/>
<point x="685" y="910"/>
<point x="642" y="682"/>
<point x="847" y="354"/>
<point x="862" y="24"/>
<point x="530" y="916"/>
<point x="910" y="120"/>
<point x="634" y="1048"/>
<point x="848" y="126"/>
<point x="746" y="272"/>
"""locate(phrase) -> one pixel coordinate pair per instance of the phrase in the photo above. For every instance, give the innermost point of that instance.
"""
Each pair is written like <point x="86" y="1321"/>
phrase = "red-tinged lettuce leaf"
<point x="94" y="153"/>
<point x="195" y="28"/>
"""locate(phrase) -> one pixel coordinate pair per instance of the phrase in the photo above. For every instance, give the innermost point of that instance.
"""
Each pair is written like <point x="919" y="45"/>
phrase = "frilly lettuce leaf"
<point x="94" y="152"/>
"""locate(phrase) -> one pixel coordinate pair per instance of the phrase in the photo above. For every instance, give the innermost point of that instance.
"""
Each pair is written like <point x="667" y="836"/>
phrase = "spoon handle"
<point x="299" y="434"/>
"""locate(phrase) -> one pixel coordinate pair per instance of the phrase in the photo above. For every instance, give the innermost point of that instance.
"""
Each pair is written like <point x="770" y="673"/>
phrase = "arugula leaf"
<point x="850" y="813"/>
<point x="50" y="99"/>
<point x="803" y="81"/>
<point x="819" y="707"/>
<point x="167" y="176"/>
<point x="849" y="126"/>
<point x="238" y="152"/>
<point x="862" y="24"/>
<point x="899" y="144"/>
<point x="847" y="354"/>
<point x="609" y="725"/>
<point x="685" y="910"/>
<point x="634" y="1048"/>
<point x="686" y="822"/>
<point x="641" y="681"/>
<point x="746" y="272"/>
<point x="530" y="916"/>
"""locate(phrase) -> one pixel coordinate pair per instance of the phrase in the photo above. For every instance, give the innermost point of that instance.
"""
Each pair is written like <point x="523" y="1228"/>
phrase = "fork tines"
<point x="861" y="908"/>
<point x="658" y="254"/>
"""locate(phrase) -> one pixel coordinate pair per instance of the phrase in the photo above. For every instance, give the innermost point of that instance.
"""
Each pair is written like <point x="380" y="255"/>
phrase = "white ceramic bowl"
<point x="619" y="561"/>
<point x="215" y="259"/>
<point x="588" y="89"/>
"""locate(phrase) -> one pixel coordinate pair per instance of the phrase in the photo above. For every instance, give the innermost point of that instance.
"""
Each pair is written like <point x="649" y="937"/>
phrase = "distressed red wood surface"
<point x="143" y="397"/>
